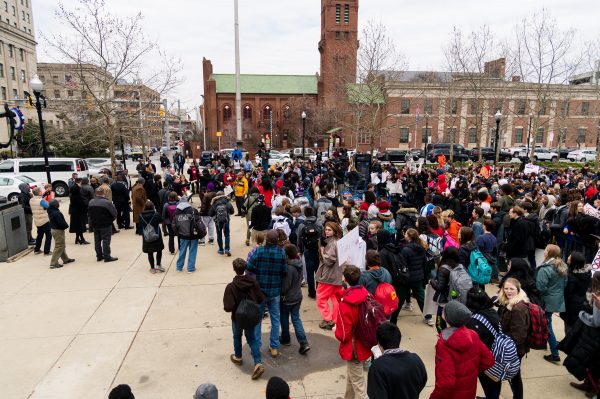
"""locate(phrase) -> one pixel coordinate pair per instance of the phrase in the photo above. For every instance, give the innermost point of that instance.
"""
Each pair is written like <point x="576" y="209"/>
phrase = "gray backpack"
<point x="149" y="232"/>
<point x="460" y="284"/>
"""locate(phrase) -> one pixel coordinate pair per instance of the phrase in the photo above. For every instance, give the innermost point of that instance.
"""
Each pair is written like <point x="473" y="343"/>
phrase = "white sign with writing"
<point x="531" y="168"/>
<point x="352" y="249"/>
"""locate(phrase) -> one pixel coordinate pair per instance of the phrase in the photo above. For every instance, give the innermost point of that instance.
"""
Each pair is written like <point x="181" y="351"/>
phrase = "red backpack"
<point x="370" y="316"/>
<point x="538" y="327"/>
<point x="385" y="294"/>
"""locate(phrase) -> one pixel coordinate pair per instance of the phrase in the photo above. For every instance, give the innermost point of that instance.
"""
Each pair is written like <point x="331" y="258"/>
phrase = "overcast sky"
<point x="280" y="36"/>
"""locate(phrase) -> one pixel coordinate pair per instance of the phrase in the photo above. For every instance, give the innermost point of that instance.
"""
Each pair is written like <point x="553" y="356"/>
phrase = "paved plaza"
<point x="77" y="331"/>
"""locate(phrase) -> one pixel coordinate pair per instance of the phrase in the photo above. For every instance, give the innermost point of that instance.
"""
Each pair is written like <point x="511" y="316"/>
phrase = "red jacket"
<point x="346" y="321"/>
<point x="590" y="192"/>
<point x="459" y="359"/>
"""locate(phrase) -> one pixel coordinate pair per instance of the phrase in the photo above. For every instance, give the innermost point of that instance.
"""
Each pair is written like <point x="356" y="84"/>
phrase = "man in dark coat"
<point x="102" y="213"/>
<point x="120" y="197"/>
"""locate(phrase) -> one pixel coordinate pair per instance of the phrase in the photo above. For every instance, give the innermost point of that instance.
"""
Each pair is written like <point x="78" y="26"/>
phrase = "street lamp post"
<point x="37" y="86"/>
<point x="598" y="148"/>
<point x="426" y="136"/>
<point x="498" y="117"/>
<point x="303" y="133"/>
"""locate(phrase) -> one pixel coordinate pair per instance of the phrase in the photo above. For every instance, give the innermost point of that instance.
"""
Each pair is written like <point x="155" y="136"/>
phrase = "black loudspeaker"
<point x="362" y="163"/>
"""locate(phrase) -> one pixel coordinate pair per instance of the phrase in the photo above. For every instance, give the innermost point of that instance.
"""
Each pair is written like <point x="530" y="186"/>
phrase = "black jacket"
<point x="261" y="217"/>
<point x="575" y="295"/>
<point x="120" y="193"/>
<point x="57" y="219"/>
<point x="241" y="287"/>
<point x="25" y="197"/>
<point x="484" y="333"/>
<point x="516" y="245"/>
<point x="582" y="346"/>
<point x="390" y="256"/>
<point x="396" y="375"/>
<point x="415" y="259"/>
<point x="153" y="218"/>
<point x="101" y="212"/>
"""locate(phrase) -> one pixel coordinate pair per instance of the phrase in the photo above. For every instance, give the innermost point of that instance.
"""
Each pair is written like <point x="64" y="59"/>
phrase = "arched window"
<point x="226" y="113"/>
<point x="286" y="112"/>
<point x="247" y="112"/>
<point x="267" y="112"/>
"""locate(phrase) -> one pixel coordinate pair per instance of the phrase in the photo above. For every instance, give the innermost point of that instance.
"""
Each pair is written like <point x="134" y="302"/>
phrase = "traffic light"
<point x="161" y="112"/>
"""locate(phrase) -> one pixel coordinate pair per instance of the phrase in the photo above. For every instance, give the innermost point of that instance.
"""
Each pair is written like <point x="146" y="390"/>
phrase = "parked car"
<point x="9" y="185"/>
<point x="136" y="155"/>
<point x="582" y="156"/>
<point x="61" y="170"/>
<point x="206" y="158"/>
<point x="488" y="154"/>
<point x="459" y="156"/>
<point x="307" y="152"/>
<point x="540" y="154"/>
<point x="564" y="151"/>
<point x="229" y="151"/>
<point x="417" y="153"/>
<point x="98" y="166"/>
<point x="393" y="156"/>
<point x="275" y="158"/>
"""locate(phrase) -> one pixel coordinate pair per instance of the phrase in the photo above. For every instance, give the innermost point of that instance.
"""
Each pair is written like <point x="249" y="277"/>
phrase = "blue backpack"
<point x="504" y="349"/>
<point x="479" y="268"/>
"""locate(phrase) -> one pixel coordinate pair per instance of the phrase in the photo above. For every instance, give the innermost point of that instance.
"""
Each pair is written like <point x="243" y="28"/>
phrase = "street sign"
<point x="180" y="143"/>
<point x="218" y="134"/>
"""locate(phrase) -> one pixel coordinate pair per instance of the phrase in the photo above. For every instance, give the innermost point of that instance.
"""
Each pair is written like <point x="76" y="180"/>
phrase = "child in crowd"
<point x="291" y="299"/>
<point x="244" y="287"/>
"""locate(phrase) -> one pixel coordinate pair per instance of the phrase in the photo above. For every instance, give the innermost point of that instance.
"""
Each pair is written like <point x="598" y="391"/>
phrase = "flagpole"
<point x="238" y="94"/>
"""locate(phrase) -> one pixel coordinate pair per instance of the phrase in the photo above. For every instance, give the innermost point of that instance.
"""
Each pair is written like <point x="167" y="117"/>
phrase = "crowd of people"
<point x="436" y="235"/>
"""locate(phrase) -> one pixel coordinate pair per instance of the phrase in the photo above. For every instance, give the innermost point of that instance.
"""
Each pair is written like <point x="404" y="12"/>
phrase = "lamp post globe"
<point x="303" y="115"/>
<point x="498" y="117"/>
<point x="36" y="84"/>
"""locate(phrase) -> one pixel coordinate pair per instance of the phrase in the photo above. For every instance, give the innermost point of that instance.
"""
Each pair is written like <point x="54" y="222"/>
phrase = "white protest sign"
<point x="531" y="168"/>
<point x="375" y="178"/>
<point x="596" y="263"/>
<point x="591" y="211"/>
<point x="352" y="249"/>
<point x="227" y="190"/>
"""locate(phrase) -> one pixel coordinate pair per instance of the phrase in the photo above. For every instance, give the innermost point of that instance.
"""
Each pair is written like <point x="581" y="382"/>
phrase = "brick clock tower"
<point x="338" y="48"/>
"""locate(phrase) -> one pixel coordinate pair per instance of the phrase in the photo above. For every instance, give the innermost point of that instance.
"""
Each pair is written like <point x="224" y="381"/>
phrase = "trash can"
<point x="13" y="232"/>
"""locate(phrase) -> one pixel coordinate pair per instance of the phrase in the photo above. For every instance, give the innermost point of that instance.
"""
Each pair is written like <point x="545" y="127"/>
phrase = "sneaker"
<point x="212" y="242"/>
<point x="274" y="352"/>
<point x="99" y="259"/>
<point x="220" y="252"/>
<point x="303" y="349"/>
<point x="111" y="259"/>
<point x="247" y="243"/>
<point x="37" y="252"/>
<point x="286" y="343"/>
<point x="227" y="253"/>
<point x="153" y="271"/>
<point x="55" y="266"/>
<point x="430" y="322"/>
<point x="408" y="307"/>
<point x="323" y="324"/>
<point x="202" y="243"/>
<point x="191" y="271"/>
<point x="552" y="359"/>
<point x="160" y="269"/>
<point x="259" y="369"/>
<point x="68" y="261"/>
<point x="236" y="360"/>
<point x="47" y="253"/>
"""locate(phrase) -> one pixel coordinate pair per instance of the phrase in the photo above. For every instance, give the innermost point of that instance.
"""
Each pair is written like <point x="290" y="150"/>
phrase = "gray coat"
<point x="290" y="287"/>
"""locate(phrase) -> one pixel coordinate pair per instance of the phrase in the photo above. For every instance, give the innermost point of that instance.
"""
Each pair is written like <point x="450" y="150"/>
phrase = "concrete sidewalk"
<point x="77" y="331"/>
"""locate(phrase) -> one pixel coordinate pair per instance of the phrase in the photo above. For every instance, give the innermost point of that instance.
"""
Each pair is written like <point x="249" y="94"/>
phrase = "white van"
<point x="61" y="170"/>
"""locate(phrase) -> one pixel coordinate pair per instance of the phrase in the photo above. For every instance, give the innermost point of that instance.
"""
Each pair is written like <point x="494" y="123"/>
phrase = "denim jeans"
<point x="183" y="246"/>
<point x="294" y="311"/>
<point x="252" y="337"/>
<point x="223" y="230"/>
<point x="43" y="230"/>
<point x="311" y="258"/>
<point x="272" y="303"/>
<point x="551" y="337"/>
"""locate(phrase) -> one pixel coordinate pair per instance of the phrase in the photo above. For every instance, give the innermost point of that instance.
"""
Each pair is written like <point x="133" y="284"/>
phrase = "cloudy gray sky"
<point x="280" y="36"/>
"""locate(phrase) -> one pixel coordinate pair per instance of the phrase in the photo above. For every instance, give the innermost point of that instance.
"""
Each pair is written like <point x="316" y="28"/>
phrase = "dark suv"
<point x="487" y="154"/>
<point x="392" y="156"/>
<point x="433" y="150"/>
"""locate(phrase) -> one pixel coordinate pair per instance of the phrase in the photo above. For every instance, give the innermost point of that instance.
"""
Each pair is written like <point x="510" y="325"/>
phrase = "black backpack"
<point x="398" y="269"/>
<point x="310" y="236"/>
<point x="247" y="315"/>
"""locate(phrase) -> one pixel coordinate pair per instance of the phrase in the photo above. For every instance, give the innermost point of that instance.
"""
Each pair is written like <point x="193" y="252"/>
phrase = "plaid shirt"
<point x="269" y="265"/>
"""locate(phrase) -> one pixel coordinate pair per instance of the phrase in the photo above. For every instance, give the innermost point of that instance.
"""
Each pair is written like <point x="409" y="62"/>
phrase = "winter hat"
<point x="277" y="388"/>
<point x="383" y="238"/>
<point x="122" y="391"/>
<point x="206" y="391"/>
<point x="383" y="206"/>
<point x="210" y="186"/>
<point x="272" y="237"/>
<point x="456" y="314"/>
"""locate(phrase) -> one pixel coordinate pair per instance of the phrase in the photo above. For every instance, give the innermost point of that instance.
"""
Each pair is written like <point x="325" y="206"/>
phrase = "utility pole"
<point x="203" y="128"/>
<point x="179" y="118"/>
<point x="167" y="133"/>
<point x="141" y="123"/>
<point x="238" y="92"/>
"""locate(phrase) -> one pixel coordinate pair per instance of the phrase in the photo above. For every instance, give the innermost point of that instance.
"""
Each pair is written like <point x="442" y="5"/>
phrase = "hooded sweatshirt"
<point x="241" y="287"/>
<point x="371" y="278"/>
<point x="290" y="287"/>
<point x="182" y="220"/>
<point x="25" y="197"/>
<point x="459" y="358"/>
<point x="346" y="321"/>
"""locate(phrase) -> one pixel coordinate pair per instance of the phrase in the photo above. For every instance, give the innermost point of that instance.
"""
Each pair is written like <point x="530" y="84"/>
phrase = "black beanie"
<point x="277" y="388"/>
<point x="122" y="391"/>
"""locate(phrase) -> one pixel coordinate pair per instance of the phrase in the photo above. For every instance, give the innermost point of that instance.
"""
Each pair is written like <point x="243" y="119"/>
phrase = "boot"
<point x="583" y="386"/>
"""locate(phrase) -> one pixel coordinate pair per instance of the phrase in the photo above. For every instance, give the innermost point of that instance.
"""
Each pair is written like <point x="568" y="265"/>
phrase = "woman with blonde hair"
<point x="551" y="280"/>
<point x="515" y="321"/>
<point x="329" y="275"/>
<point x="451" y="225"/>
<point x="414" y="252"/>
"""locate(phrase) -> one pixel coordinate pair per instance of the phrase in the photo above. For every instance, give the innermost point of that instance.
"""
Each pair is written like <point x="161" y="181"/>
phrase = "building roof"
<point x="362" y="93"/>
<point x="266" y="84"/>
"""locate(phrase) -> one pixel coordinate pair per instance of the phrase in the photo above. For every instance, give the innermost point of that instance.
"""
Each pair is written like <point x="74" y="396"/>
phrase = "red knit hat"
<point x="383" y="206"/>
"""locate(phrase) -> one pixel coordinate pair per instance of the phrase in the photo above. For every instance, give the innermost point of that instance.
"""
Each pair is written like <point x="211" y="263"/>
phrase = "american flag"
<point x="70" y="83"/>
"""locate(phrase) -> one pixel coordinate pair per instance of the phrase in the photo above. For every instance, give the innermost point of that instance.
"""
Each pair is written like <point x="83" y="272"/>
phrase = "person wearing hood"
<point x="460" y="356"/>
<point x="534" y="228"/>
<point x="442" y="186"/>
<point x="242" y="287"/>
<point x="24" y="200"/>
<point x="182" y="225"/>
<point x="578" y="283"/>
<point x="551" y="280"/>
<point x="322" y="205"/>
<point x="58" y="225"/>
<point x="385" y="216"/>
<point x="291" y="299"/>
<point x="548" y="202"/>
<point x="351" y="349"/>
<point x="220" y="210"/>
<point x="138" y="201"/>
<point x="374" y="275"/>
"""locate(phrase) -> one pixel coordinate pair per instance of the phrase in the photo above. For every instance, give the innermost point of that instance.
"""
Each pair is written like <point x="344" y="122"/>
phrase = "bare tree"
<point x="544" y="55"/>
<point x="107" y="50"/>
